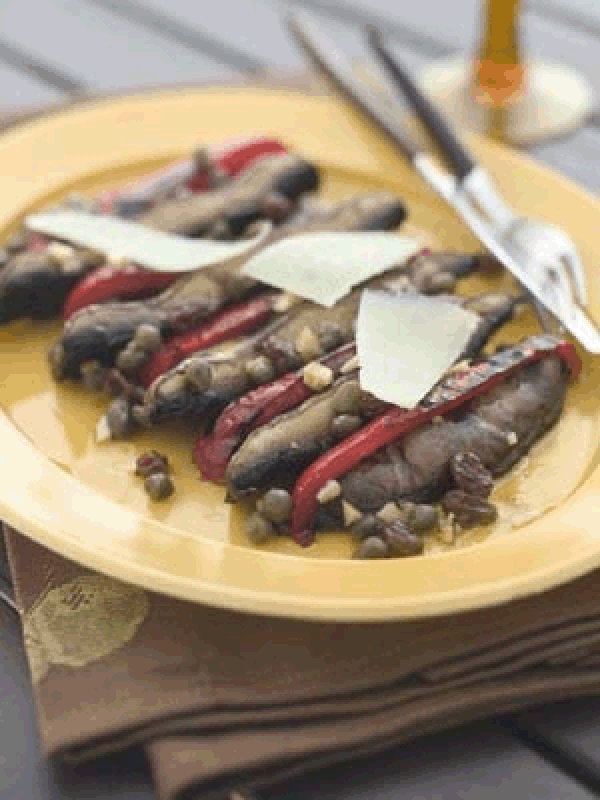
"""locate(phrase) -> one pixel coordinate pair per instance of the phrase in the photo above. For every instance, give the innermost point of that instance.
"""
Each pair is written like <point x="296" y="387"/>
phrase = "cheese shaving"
<point x="324" y="267"/>
<point x="406" y="343"/>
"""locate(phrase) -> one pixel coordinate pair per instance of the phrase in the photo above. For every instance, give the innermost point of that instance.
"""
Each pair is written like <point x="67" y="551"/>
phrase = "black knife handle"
<point x="454" y="150"/>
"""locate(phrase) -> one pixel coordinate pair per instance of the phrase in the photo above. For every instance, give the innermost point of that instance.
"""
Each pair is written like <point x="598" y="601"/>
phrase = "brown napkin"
<point x="221" y="700"/>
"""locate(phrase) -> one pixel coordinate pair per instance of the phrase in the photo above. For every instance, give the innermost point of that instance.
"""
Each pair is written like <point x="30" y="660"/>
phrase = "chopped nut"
<point x="437" y="420"/>
<point x="277" y="505"/>
<point x="329" y="492"/>
<point x="117" y="260"/>
<point x="512" y="438"/>
<point x="151" y="462"/>
<point x="59" y="253"/>
<point x="307" y="345"/>
<point x="159" y="486"/>
<point x="102" y="432"/>
<point x="284" y="301"/>
<point x="147" y="338"/>
<point x="258" y="529"/>
<point x="471" y="475"/>
<point x="351" y="514"/>
<point x="371" y="547"/>
<point x="389" y="513"/>
<point x="72" y="264"/>
<point x="317" y="376"/>
<point x="350" y="365"/>
<point x="445" y="532"/>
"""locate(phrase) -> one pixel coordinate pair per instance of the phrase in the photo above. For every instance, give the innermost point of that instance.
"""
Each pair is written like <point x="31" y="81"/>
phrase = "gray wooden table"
<point x="51" y="50"/>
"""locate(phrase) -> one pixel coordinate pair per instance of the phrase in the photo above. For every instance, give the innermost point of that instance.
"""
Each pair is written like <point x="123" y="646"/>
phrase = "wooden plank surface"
<point x="48" y="49"/>
<point x="103" y="49"/>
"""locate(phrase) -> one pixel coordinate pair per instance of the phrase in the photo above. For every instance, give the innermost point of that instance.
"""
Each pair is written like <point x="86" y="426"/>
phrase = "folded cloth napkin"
<point x="221" y="699"/>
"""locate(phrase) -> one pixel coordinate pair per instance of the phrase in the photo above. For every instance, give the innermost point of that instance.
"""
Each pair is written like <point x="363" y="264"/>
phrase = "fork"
<point x="547" y="248"/>
<point x="551" y="281"/>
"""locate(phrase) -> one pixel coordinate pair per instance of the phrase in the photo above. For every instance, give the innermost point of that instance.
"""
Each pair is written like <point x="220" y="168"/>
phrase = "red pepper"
<point x="229" y="324"/>
<point x="252" y="411"/>
<point x="112" y="283"/>
<point x="395" y="422"/>
<point x="115" y="283"/>
<point x="234" y="155"/>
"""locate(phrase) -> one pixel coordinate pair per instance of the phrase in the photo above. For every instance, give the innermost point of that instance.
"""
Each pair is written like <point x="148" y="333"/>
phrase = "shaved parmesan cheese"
<point x="324" y="267"/>
<point x="123" y="240"/>
<point x="405" y="344"/>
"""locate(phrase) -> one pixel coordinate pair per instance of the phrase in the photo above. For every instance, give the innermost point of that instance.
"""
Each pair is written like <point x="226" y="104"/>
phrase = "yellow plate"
<point x="82" y="500"/>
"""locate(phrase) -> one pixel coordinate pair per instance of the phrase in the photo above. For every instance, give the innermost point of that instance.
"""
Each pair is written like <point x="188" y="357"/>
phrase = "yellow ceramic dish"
<point x="82" y="499"/>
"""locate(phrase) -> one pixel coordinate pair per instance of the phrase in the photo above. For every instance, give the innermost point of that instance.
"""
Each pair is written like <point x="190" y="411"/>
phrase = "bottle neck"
<point x="499" y="73"/>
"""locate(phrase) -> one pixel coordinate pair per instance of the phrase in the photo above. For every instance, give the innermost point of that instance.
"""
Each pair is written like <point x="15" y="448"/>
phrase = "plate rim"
<point x="333" y="608"/>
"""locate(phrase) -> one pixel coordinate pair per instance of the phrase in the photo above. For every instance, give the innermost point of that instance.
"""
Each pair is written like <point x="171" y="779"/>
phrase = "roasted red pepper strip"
<point x="116" y="283"/>
<point x="253" y="410"/>
<point x="112" y="283"/>
<point x="453" y="391"/>
<point x="229" y="324"/>
<point x="234" y="155"/>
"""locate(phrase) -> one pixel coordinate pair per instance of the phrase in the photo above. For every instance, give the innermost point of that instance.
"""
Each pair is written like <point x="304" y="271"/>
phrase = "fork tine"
<point x="573" y="264"/>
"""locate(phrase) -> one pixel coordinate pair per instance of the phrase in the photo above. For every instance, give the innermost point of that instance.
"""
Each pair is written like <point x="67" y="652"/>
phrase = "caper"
<point x="260" y="370"/>
<point x="56" y="359"/>
<point x="368" y="525"/>
<point x="277" y="505"/>
<point x="276" y="207"/>
<point x="221" y="231"/>
<point x="348" y="398"/>
<point x="371" y="547"/>
<point x="131" y="358"/>
<point x="198" y="374"/>
<point x="258" y="528"/>
<point x="345" y="424"/>
<point x="119" y="418"/>
<point x="147" y="338"/>
<point x="159" y="486"/>
<point x="93" y="376"/>
<point x="425" y="518"/>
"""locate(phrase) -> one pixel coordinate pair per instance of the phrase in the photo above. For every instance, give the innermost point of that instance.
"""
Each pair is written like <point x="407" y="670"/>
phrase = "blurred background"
<point x="51" y="50"/>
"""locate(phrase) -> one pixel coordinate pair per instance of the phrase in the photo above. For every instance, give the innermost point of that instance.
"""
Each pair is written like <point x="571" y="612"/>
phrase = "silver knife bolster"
<point x="448" y="188"/>
<point x="478" y="185"/>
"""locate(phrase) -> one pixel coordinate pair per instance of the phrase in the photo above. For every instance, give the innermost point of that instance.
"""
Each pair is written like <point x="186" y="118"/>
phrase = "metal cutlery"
<point x="541" y="257"/>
